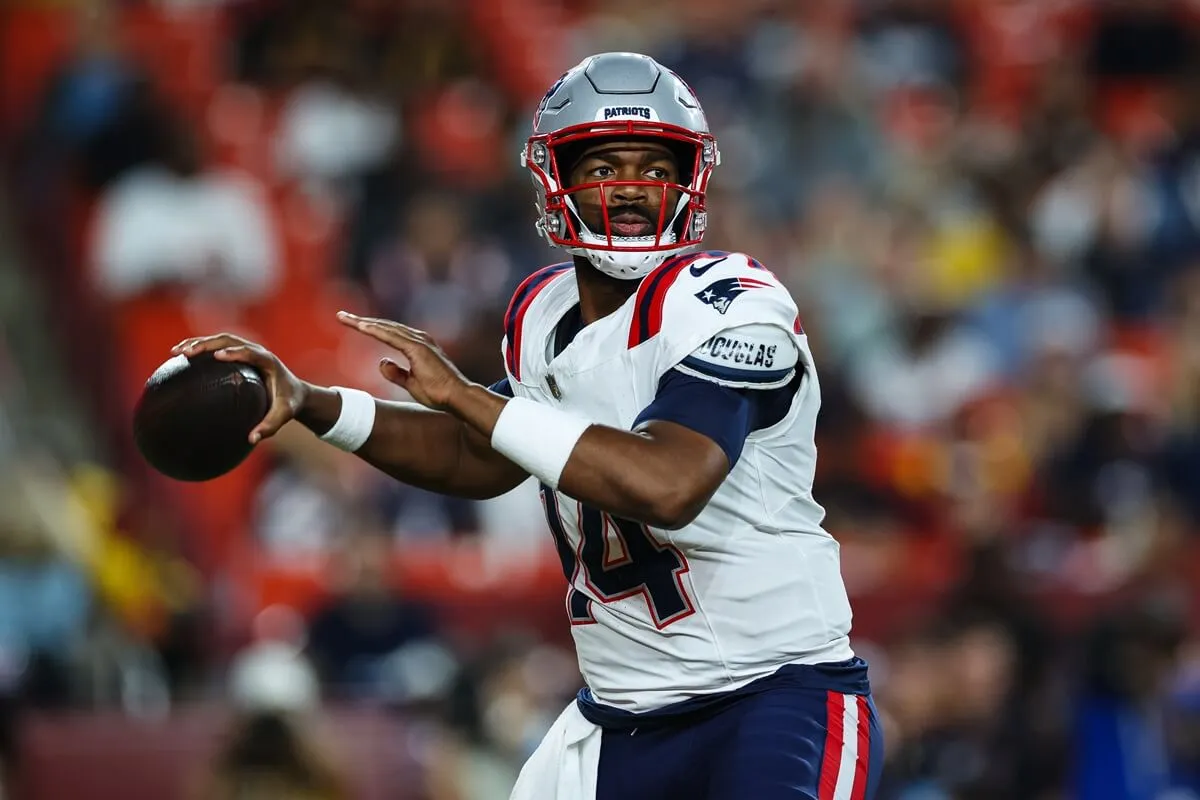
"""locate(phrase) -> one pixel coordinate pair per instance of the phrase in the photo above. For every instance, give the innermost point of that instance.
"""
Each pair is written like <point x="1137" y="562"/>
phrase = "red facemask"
<point x="680" y="224"/>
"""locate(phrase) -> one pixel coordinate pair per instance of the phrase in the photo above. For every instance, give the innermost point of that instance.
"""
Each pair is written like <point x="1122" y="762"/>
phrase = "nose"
<point x="625" y="194"/>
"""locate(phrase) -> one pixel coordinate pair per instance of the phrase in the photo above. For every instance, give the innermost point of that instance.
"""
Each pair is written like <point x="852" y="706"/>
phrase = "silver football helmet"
<point x="620" y="96"/>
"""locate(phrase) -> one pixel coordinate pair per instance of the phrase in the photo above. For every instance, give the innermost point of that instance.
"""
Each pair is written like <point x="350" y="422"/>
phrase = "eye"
<point x="657" y="174"/>
<point x="602" y="172"/>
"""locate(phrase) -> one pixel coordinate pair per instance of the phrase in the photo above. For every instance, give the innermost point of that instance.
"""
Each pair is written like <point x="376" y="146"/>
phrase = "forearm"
<point x="627" y="474"/>
<point x="428" y="449"/>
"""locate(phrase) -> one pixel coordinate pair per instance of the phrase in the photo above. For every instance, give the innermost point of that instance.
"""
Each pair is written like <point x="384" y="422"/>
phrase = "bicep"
<point x="710" y="413"/>
<point x="740" y="380"/>
<point x="662" y="474"/>
<point x="690" y="437"/>
<point x="723" y="415"/>
<point x="676" y="444"/>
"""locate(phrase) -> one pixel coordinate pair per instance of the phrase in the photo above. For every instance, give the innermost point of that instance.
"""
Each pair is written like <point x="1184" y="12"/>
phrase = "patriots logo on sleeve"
<point x="720" y="294"/>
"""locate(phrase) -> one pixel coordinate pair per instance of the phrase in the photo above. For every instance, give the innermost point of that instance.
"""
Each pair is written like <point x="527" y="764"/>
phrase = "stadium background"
<point x="988" y="210"/>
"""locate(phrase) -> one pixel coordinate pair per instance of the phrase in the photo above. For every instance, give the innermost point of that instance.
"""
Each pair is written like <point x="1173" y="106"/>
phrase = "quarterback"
<point x="665" y="399"/>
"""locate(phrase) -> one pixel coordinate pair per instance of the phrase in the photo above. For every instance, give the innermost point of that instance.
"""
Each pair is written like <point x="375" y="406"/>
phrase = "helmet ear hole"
<point x="567" y="156"/>
<point x="685" y="157"/>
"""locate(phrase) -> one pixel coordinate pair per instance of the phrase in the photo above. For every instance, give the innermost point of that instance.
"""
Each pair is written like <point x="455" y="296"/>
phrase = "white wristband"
<point x="354" y="422"/>
<point x="537" y="438"/>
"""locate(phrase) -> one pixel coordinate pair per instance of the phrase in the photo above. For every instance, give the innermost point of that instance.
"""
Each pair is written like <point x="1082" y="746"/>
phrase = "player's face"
<point x="633" y="209"/>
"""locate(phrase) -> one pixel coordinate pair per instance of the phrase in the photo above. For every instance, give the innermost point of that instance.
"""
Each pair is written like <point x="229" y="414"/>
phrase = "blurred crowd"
<point x="987" y="210"/>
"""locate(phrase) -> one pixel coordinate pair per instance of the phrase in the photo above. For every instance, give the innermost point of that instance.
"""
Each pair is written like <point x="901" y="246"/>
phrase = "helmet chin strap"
<point x="626" y="264"/>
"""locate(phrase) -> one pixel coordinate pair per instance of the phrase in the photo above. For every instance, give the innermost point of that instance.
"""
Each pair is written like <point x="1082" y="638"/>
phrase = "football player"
<point x="665" y="398"/>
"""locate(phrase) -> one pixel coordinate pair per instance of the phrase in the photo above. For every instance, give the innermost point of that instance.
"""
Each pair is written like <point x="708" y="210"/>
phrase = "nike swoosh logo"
<point x="698" y="271"/>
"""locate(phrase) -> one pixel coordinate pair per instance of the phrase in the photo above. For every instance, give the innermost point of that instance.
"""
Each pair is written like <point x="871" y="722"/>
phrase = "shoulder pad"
<point x="514" y="317"/>
<point x="691" y="298"/>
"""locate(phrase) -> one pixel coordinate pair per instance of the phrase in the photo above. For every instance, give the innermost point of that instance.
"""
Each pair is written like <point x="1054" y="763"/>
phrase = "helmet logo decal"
<point x="545" y="102"/>
<point x="627" y="112"/>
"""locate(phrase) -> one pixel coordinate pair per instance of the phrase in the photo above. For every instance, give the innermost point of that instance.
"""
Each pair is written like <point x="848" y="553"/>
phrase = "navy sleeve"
<point x="724" y="414"/>
<point x="502" y="387"/>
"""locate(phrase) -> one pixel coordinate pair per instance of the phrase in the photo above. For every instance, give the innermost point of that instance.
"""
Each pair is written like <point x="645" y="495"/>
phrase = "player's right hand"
<point x="288" y="392"/>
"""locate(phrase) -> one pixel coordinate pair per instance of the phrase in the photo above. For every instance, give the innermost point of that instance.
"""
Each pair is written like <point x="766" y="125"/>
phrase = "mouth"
<point x="630" y="224"/>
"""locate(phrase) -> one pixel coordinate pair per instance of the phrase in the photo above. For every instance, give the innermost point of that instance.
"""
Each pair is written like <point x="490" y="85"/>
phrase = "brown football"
<point x="193" y="420"/>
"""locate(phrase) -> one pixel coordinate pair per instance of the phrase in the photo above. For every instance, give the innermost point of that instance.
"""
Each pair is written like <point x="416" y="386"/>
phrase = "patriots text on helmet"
<point x="625" y="112"/>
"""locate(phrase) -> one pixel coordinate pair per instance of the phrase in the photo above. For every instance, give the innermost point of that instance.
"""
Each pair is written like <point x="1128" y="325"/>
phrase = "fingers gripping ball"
<point x="193" y="420"/>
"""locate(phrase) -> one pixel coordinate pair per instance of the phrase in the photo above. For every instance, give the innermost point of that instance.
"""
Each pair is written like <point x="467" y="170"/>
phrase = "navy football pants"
<point x="786" y="743"/>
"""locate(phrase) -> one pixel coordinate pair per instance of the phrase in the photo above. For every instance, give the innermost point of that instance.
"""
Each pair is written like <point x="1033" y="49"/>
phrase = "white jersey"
<point x="754" y="582"/>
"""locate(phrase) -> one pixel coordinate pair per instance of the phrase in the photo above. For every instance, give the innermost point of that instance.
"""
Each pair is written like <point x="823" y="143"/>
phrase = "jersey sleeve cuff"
<point x="733" y="377"/>
<point x="502" y="387"/>
<point x="752" y="356"/>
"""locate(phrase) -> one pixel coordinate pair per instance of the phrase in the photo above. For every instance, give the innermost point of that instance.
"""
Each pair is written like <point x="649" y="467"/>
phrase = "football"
<point x="194" y="417"/>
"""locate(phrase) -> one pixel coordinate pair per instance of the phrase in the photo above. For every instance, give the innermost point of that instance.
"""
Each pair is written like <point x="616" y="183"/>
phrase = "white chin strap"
<point x="626" y="264"/>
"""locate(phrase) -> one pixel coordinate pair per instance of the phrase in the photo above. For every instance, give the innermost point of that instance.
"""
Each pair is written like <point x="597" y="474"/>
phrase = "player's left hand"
<point x="431" y="379"/>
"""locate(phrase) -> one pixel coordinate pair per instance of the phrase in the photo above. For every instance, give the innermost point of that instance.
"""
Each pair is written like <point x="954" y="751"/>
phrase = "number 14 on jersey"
<point x="616" y="559"/>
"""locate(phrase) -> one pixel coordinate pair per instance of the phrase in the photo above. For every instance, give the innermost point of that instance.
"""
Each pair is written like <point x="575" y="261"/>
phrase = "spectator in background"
<point x="270" y="751"/>
<point x="175" y="223"/>
<point x="1128" y="663"/>
<point x="366" y="623"/>
<point x="1020" y="690"/>
<point x="927" y="363"/>
<point x="435" y="273"/>
<point x="911" y="43"/>
<point x="1171" y="178"/>
<point x="331" y="133"/>
<point x="1139" y="39"/>
<point x="414" y="514"/>
<point x="425" y="47"/>
<point x="942" y="695"/>
<point x="300" y="508"/>
<point x="1105" y="480"/>
<point x="45" y="609"/>
<point x="335" y="125"/>
<point x="1056" y="126"/>
<point x="1180" y="466"/>
<point x="1032" y="312"/>
<point x="502" y="707"/>
<point x="100" y="112"/>
<point x="1182" y="722"/>
<point x="45" y="599"/>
